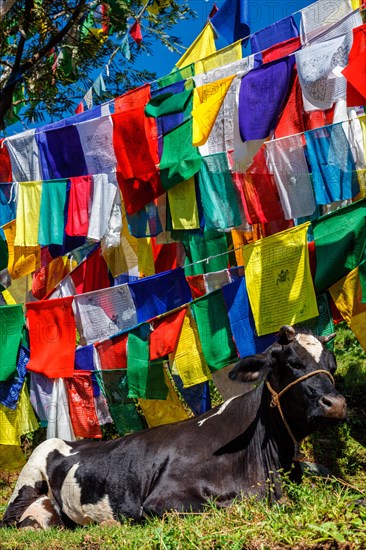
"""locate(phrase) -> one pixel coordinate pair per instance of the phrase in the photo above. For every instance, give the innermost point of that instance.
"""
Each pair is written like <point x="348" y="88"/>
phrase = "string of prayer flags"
<point x="17" y="422"/>
<point x="355" y="71"/>
<point x="79" y="207"/>
<point x="114" y="387"/>
<point x="219" y="202"/>
<point x="241" y="320"/>
<point x="83" y="415"/>
<point x="11" y="329"/>
<point x="52" y="336"/>
<point x="332" y="164"/>
<point x="51" y="220"/>
<point x="159" y="294"/>
<point x="135" y="32"/>
<point x="232" y="20"/>
<point x="188" y="360"/>
<point x="135" y="141"/>
<point x="207" y="101"/>
<point x="25" y="157"/>
<point x="101" y="313"/>
<point x="202" y="46"/>
<point x="287" y="162"/>
<point x="347" y="296"/>
<point x="28" y="213"/>
<point x="60" y="152"/>
<point x="340" y="241"/>
<point x="5" y="164"/>
<point x="258" y="118"/>
<point x="282" y="30"/>
<point x="279" y="281"/>
<point x="214" y="330"/>
<point x="163" y="411"/>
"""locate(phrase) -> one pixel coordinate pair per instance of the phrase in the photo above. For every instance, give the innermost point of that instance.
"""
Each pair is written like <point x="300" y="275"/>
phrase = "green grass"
<point x="321" y="513"/>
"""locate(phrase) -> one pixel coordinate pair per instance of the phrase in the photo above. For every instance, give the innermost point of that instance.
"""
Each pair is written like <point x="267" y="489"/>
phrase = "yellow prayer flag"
<point x="14" y="423"/>
<point x="158" y="5"/>
<point x="188" y="358"/>
<point x="355" y="4"/>
<point x="23" y="260"/>
<point x="222" y="57"/>
<point x="183" y="205"/>
<point x="361" y="177"/>
<point x="145" y="257"/>
<point x="28" y="213"/>
<point x="207" y="101"/>
<point x="279" y="283"/>
<point x="164" y="411"/>
<point x="347" y="296"/>
<point x="20" y="291"/>
<point x="203" y="46"/>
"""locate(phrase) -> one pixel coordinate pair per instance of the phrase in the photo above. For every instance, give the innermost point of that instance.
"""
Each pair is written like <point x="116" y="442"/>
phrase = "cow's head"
<point x="307" y="403"/>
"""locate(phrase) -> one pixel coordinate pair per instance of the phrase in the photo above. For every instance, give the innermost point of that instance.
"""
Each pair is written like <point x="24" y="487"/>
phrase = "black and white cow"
<point x="235" y="449"/>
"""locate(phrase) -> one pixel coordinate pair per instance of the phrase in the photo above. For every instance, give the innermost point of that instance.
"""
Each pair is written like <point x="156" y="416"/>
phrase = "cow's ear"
<point x="251" y="368"/>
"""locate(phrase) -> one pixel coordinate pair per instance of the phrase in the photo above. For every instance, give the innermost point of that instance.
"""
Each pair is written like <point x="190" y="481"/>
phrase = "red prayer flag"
<point x="91" y="274"/>
<point x="52" y="337"/>
<point x="80" y="202"/>
<point x="5" y="164"/>
<point x="281" y="49"/>
<point x="197" y="285"/>
<point x="80" y="108"/>
<point x="165" y="335"/>
<point x="135" y="32"/>
<point x="80" y="396"/>
<point x="135" y="141"/>
<point x="165" y="255"/>
<point x="214" y="10"/>
<point x="113" y="352"/>
<point x="355" y="72"/>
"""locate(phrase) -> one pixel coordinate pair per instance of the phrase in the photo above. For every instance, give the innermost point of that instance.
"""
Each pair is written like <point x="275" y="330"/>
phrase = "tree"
<point x="50" y="50"/>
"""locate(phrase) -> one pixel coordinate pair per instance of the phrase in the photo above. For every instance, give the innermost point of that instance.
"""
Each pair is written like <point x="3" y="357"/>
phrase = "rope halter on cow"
<point x="275" y="402"/>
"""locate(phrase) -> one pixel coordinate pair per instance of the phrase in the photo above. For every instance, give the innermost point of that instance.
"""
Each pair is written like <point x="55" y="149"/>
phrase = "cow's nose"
<point x="334" y="406"/>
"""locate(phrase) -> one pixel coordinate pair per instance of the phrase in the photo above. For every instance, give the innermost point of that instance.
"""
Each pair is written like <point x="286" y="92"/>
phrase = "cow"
<point x="237" y="448"/>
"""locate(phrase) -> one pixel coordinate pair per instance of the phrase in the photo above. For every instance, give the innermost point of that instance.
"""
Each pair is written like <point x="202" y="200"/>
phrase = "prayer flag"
<point x="51" y="222"/>
<point x="23" y="260"/>
<point x="83" y="415"/>
<point x="355" y="71"/>
<point x="5" y="164"/>
<point x="279" y="281"/>
<point x="28" y="213"/>
<point x="52" y="335"/>
<point x="11" y="329"/>
<point x="232" y="20"/>
<point x="79" y="207"/>
<point x="202" y="46"/>
<point x="282" y="30"/>
<point x="135" y="32"/>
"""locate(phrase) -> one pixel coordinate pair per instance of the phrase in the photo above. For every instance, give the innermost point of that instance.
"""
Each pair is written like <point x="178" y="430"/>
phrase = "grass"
<point x="321" y="513"/>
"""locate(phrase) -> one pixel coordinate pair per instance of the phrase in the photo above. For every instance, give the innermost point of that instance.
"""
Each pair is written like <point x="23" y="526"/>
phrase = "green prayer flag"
<point x="322" y="325"/>
<point x="362" y="276"/>
<point x="180" y="160"/>
<point x="198" y="247"/>
<point x="176" y="75"/>
<point x="114" y="386"/>
<point x="156" y="387"/>
<point x="51" y="221"/>
<point x="11" y="327"/>
<point x="138" y="361"/>
<point x="169" y="104"/>
<point x="214" y="329"/>
<point x="340" y="241"/>
<point x="219" y="201"/>
<point x="3" y="254"/>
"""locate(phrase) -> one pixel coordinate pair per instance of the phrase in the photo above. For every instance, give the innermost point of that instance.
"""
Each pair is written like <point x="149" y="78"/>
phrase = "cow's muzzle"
<point x="333" y="406"/>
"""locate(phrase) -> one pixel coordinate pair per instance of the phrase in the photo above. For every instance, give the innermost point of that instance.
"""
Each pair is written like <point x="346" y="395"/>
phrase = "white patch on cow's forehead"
<point x="219" y="411"/>
<point x="83" y="514"/>
<point x="35" y="469"/>
<point x="311" y="344"/>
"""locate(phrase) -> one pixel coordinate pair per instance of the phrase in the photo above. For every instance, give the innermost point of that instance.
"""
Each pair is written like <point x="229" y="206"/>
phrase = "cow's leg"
<point x="32" y="482"/>
<point x="41" y="514"/>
